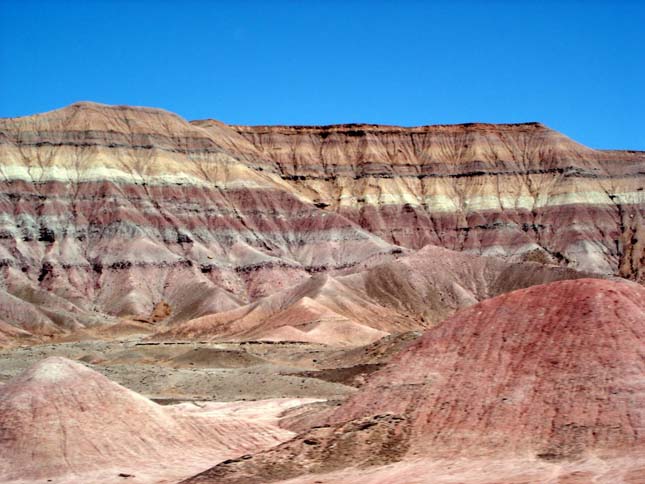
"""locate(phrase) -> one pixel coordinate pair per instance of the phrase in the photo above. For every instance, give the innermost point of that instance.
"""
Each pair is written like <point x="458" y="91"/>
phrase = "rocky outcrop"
<point x="111" y="211"/>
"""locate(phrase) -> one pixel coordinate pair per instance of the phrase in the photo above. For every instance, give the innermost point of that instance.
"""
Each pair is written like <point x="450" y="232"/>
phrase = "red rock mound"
<point x="61" y="420"/>
<point x="555" y="369"/>
<point x="547" y="374"/>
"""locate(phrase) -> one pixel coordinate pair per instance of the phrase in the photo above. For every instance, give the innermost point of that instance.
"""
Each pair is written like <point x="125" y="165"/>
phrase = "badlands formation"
<point x="113" y="213"/>
<point x="355" y="303"/>
<point x="539" y="385"/>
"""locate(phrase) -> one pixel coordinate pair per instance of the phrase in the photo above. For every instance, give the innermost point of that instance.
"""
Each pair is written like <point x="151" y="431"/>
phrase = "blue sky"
<point x="577" y="66"/>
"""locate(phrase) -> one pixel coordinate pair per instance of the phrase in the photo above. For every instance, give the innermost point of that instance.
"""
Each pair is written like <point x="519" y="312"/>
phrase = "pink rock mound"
<point x="63" y="421"/>
<point x="537" y="377"/>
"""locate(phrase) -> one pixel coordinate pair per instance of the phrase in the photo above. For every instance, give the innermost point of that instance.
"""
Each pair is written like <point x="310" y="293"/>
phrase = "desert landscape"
<point x="198" y="302"/>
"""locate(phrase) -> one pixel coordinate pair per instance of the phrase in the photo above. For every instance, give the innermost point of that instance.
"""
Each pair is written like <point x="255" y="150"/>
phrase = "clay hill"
<point x="543" y="384"/>
<point x="63" y="422"/>
<point x="411" y="293"/>
<point x="139" y="219"/>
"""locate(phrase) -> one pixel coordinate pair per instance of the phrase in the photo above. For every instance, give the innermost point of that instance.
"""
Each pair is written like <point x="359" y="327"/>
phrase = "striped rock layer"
<point x="489" y="189"/>
<point x="118" y="212"/>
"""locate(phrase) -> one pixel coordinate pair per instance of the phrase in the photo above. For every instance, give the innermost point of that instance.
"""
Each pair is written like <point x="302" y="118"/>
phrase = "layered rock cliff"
<point x="490" y="189"/>
<point x="115" y="211"/>
<point x="118" y="209"/>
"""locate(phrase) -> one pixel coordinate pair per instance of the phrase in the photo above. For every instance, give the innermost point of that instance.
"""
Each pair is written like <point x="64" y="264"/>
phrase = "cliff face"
<point x="490" y="189"/>
<point x="134" y="212"/>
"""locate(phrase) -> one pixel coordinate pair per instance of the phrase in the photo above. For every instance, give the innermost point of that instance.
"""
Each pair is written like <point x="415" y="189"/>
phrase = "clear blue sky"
<point x="577" y="66"/>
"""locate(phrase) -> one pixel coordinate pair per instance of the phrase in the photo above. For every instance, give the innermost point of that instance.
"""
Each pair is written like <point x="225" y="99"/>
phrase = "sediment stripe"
<point x="558" y="195"/>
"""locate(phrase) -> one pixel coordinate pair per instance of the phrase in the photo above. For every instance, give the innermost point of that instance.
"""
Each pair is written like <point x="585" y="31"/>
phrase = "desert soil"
<point x="174" y="372"/>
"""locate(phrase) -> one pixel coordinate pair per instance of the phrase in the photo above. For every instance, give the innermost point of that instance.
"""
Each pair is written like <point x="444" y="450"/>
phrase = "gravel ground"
<point x="166" y="373"/>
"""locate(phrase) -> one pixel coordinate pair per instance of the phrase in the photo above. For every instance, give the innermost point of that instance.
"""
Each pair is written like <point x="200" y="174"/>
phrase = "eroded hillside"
<point x="113" y="213"/>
